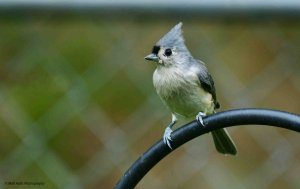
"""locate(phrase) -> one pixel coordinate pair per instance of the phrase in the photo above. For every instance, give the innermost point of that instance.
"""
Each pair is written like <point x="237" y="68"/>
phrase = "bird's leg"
<point x="199" y="117"/>
<point x="168" y="131"/>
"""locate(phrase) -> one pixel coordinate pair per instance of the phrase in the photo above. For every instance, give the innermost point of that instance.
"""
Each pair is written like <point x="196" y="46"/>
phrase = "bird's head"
<point x="170" y="50"/>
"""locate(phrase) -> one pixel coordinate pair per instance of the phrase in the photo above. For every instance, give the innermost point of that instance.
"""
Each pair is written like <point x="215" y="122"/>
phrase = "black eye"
<point x="168" y="52"/>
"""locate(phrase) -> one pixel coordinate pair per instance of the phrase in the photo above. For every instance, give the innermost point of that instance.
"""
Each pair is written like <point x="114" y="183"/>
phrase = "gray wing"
<point x="207" y="82"/>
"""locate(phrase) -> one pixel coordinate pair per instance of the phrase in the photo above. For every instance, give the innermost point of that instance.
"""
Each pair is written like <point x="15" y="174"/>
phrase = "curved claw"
<point x="167" y="137"/>
<point x="199" y="118"/>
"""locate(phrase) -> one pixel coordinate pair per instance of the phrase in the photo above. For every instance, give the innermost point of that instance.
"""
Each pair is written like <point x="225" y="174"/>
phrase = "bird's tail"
<point x="223" y="142"/>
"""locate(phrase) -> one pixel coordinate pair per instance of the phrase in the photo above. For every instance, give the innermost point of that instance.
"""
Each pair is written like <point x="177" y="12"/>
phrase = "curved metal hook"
<point x="191" y="130"/>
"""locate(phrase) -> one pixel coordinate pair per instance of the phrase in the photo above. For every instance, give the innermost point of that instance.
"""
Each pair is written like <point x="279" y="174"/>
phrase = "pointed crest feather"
<point x="173" y="37"/>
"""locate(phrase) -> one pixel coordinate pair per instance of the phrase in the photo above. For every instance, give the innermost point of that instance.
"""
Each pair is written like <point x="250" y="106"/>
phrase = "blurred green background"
<point x="77" y="104"/>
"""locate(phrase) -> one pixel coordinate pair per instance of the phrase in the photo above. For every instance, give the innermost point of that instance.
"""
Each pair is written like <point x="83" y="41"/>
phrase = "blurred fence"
<point x="77" y="105"/>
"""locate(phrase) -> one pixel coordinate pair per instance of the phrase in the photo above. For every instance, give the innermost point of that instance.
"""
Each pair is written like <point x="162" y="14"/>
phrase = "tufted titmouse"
<point x="185" y="86"/>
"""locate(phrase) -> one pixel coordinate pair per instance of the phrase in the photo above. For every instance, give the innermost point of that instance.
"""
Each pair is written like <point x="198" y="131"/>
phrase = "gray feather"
<point x="207" y="82"/>
<point x="173" y="38"/>
<point x="223" y="142"/>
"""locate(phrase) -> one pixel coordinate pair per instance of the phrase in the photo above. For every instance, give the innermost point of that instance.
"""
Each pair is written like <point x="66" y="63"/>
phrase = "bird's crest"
<point x="173" y="38"/>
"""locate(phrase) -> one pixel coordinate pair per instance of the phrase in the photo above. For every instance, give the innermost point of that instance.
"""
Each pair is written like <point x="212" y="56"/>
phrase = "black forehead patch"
<point x="155" y="49"/>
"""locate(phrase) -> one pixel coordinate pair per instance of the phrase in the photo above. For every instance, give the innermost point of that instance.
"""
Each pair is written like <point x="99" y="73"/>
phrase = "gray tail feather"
<point x="224" y="144"/>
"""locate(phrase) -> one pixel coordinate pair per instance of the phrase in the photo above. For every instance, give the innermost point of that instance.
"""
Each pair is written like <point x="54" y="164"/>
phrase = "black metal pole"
<point x="191" y="130"/>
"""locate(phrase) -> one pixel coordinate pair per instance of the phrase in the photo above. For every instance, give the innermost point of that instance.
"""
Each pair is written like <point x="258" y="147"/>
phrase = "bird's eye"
<point x="168" y="52"/>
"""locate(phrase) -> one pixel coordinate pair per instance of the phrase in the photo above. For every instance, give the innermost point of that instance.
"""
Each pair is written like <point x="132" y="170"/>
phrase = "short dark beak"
<point x="152" y="57"/>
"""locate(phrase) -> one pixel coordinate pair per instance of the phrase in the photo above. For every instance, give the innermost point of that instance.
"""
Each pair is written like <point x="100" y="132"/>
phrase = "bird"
<point x="186" y="87"/>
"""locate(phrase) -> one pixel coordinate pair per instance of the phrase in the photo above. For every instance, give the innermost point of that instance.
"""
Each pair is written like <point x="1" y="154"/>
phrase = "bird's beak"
<point x="152" y="57"/>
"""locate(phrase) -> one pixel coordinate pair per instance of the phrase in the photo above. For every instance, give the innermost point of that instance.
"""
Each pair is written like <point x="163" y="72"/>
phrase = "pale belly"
<point x="182" y="93"/>
<point x="189" y="104"/>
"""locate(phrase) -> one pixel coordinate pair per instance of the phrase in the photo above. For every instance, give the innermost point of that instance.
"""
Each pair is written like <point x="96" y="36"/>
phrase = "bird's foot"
<point x="199" y="118"/>
<point x="167" y="137"/>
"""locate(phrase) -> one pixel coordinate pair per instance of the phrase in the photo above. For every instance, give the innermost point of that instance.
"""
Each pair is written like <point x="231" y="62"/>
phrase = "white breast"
<point x="181" y="91"/>
<point x="168" y="80"/>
